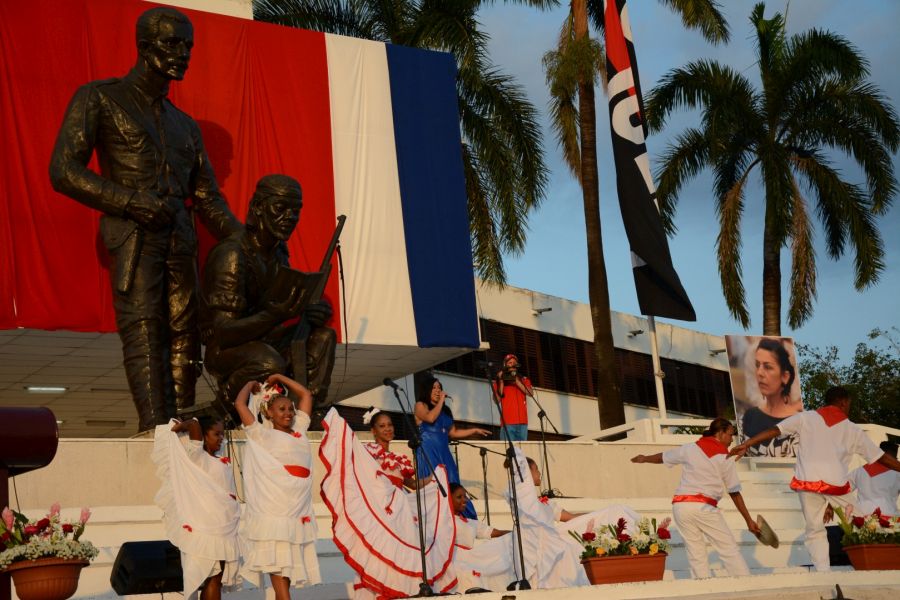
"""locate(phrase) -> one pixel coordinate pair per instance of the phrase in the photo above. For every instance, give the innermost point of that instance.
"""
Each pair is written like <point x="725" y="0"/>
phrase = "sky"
<point x="555" y="259"/>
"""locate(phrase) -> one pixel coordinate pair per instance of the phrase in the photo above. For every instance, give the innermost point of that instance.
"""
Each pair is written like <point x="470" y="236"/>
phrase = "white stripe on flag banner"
<point x="367" y="189"/>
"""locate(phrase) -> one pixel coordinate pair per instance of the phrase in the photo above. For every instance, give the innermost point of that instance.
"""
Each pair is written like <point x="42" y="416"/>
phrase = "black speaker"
<point x="147" y="568"/>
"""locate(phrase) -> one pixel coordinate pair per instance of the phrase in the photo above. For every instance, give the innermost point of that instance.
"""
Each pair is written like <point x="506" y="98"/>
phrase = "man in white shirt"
<point x="876" y="485"/>
<point x="827" y="441"/>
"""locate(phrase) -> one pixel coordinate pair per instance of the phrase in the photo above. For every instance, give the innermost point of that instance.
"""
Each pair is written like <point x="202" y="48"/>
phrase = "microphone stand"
<point x="511" y="471"/>
<point x="542" y="415"/>
<point x="484" y="485"/>
<point x="414" y="442"/>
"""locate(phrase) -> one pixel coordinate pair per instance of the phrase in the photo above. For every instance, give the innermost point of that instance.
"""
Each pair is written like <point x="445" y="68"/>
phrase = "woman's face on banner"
<point x="769" y="377"/>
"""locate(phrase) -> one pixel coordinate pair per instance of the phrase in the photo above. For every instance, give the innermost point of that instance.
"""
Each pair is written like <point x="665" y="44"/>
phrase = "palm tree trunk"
<point x="611" y="409"/>
<point x="771" y="282"/>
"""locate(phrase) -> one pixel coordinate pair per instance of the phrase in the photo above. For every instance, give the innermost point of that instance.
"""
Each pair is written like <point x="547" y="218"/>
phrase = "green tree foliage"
<point x="814" y="99"/>
<point x="503" y="155"/>
<point x="872" y="377"/>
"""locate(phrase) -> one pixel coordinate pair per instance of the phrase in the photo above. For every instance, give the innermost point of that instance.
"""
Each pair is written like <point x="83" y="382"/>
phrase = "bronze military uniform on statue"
<point x="152" y="160"/>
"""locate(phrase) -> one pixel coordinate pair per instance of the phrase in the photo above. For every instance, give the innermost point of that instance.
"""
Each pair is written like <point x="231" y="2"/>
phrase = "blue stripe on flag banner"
<point x="433" y="196"/>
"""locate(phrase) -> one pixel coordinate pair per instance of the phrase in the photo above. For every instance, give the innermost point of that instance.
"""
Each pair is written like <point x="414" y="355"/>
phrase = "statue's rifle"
<point x="301" y="333"/>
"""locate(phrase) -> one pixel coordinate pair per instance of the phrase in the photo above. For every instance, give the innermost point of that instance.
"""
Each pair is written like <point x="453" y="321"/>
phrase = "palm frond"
<point x="724" y="94"/>
<point x="339" y="17"/>
<point x="703" y="15"/>
<point x="486" y="254"/>
<point x="728" y="250"/>
<point x="803" y="263"/>
<point x="683" y="159"/>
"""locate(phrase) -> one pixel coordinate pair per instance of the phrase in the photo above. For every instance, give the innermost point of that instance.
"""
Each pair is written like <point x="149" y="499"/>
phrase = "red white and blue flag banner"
<point x="659" y="289"/>
<point x="370" y="130"/>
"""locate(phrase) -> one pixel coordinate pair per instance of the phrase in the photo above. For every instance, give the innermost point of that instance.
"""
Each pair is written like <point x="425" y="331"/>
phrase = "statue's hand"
<point x="287" y="308"/>
<point x="319" y="313"/>
<point x="149" y="211"/>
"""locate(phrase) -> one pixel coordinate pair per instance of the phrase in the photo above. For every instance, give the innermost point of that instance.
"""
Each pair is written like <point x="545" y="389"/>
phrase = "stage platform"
<point x="116" y="479"/>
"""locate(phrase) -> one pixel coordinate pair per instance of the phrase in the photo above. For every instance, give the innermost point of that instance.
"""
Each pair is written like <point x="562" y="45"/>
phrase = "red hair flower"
<point x="225" y="460"/>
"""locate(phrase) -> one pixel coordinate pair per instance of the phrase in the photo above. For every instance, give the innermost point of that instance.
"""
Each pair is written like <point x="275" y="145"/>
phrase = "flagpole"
<point x="658" y="373"/>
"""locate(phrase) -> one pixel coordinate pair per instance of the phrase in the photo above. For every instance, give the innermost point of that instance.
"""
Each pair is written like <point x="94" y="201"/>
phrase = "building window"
<point x="566" y="365"/>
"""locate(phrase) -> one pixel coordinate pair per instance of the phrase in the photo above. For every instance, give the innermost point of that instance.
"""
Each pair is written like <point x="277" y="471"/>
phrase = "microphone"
<point x="448" y="397"/>
<point x="387" y="381"/>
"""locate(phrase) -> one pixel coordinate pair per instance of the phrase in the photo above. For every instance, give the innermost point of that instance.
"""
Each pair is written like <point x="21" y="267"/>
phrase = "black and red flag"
<point x="659" y="289"/>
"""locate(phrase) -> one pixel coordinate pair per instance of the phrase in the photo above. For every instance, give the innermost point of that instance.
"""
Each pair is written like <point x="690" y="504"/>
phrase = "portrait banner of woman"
<point x="765" y="384"/>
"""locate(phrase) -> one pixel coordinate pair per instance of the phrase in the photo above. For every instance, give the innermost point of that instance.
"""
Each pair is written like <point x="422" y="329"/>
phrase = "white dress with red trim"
<point x="374" y="519"/>
<point x="278" y="528"/>
<point x="200" y="508"/>
<point x="550" y="560"/>
<point x="486" y="565"/>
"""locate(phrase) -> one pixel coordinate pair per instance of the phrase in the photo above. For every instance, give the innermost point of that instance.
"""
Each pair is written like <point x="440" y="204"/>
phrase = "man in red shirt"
<point x="510" y="390"/>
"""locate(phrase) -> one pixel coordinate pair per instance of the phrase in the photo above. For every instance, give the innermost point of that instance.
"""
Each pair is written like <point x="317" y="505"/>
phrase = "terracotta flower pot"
<point x="46" y="578"/>
<point x="874" y="557"/>
<point x="625" y="569"/>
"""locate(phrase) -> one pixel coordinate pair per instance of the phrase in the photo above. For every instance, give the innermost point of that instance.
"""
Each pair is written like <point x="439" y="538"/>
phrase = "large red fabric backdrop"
<point x="258" y="91"/>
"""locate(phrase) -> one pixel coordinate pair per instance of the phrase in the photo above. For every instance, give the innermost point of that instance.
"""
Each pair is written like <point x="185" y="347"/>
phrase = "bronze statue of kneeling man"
<point x="243" y="324"/>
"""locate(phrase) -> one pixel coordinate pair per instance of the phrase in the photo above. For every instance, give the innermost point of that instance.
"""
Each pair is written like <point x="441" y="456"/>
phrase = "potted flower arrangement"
<point x="44" y="556"/>
<point x="613" y="555"/>
<point x="872" y="541"/>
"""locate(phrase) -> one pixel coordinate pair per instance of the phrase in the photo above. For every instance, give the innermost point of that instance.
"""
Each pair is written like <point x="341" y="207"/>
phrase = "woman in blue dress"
<point x="436" y="428"/>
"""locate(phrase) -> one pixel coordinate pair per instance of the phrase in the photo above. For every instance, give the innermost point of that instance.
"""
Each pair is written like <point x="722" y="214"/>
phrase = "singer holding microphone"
<point x="436" y="428"/>
<point x="510" y="390"/>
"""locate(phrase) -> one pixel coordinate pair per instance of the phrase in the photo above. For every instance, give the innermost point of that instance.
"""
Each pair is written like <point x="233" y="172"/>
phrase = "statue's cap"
<point x="278" y="185"/>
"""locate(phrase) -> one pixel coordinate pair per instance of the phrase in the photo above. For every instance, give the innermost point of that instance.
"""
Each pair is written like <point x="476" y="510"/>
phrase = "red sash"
<point x="695" y="498"/>
<point x="875" y="469"/>
<point x="711" y="446"/>
<point x="820" y="487"/>
<point x="297" y="470"/>
<point x="832" y="415"/>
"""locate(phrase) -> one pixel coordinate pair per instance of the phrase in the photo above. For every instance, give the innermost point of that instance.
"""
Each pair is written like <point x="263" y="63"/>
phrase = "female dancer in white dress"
<point x="278" y="527"/>
<point x="199" y="503"/>
<point x="374" y="518"/>
<point x="488" y="565"/>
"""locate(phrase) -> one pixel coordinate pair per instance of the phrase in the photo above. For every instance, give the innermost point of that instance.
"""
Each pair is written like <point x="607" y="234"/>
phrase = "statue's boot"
<point x="185" y="365"/>
<point x="145" y="358"/>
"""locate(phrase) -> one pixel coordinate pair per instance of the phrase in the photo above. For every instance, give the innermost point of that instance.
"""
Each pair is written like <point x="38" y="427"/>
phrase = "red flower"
<point x="544" y="500"/>
<point x="67" y="528"/>
<point x="623" y="537"/>
<point x="43" y="524"/>
<point x="663" y="533"/>
<point x="884" y="521"/>
<point x="188" y="527"/>
<point x="858" y="521"/>
<point x="877" y="511"/>
<point x="306" y="519"/>
<point x="31" y="529"/>
<point x="225" y="459"/>
<point x="620" y="526"/>
<point x="5" y="537"/>
<point x="296" y="434"/>
<point x="589" y="536"/>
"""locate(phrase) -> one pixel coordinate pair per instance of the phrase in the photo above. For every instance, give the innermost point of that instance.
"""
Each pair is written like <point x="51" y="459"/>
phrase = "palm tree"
<point x="814" y="97"/>
<point x="503" y="156"/>
<point x="571" y="75"/>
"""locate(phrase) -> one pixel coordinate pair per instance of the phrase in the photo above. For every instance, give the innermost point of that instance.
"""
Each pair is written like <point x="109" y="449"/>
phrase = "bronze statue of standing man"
<point x="152" y="162"/>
